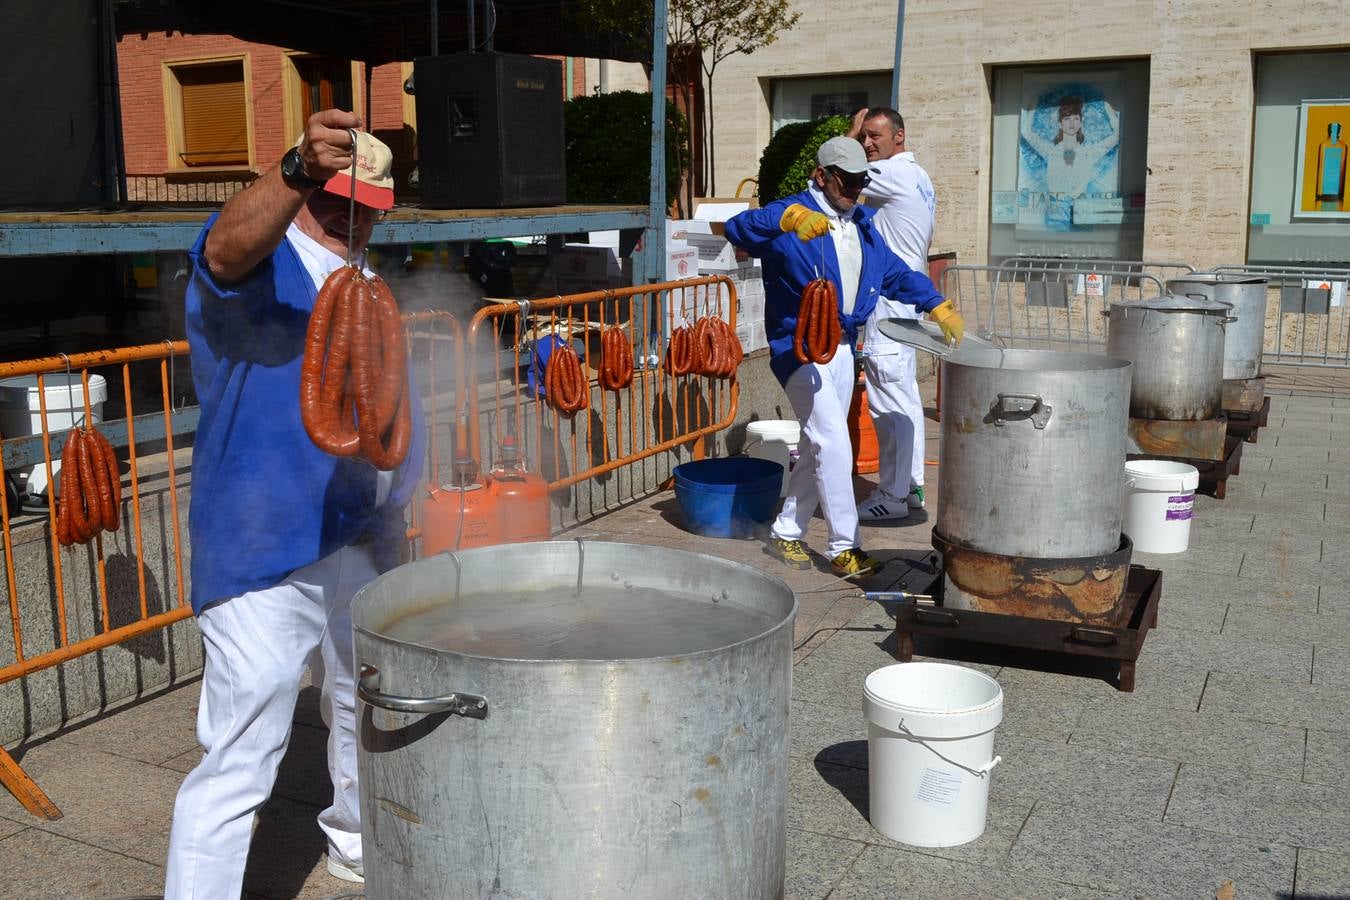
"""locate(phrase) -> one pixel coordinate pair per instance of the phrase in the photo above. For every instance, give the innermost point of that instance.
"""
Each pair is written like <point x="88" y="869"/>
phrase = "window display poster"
<point x="1324" y="129"/>
<point x="1069" y="147"/>
<point x="837" y="103"/>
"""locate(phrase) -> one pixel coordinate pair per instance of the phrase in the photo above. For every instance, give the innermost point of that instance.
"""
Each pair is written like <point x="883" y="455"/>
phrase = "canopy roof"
<point x="381" y="31"/>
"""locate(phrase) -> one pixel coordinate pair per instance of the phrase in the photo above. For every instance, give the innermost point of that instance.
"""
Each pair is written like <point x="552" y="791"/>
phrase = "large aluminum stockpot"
<point x="1243" y="340"/>
<point x="568" y="719"/>
<point x="1176" y="344"/>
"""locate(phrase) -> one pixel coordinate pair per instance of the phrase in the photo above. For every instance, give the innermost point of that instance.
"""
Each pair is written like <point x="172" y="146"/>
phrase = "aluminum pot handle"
<point x="1228" y="320"/>
<point x="1009" y="407"/>
<point x="469" y="705"/>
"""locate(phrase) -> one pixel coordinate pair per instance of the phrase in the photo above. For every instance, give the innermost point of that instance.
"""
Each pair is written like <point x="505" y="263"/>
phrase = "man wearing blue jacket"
<point x="283" y="534"/>
<point x="787" y="236"/>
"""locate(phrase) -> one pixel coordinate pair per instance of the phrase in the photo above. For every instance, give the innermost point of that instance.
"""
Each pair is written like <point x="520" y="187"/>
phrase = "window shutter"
<point x="215" y="119"/>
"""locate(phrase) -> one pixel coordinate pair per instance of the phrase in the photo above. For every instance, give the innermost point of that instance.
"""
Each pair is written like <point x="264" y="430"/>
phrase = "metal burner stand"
<point x="1143" y="588"/>
<point x="1207" y="444"/>
<point x="1247" y="407"/>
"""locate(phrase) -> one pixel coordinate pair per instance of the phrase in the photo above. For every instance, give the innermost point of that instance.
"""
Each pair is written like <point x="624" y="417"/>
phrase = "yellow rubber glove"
<point x="950" y="321"/>
<point x="806" y="222"/>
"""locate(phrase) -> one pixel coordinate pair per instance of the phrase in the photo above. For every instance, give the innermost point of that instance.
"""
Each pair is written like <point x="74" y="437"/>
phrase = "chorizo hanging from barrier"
<point x="680" y="351"/>
<point x="717" y="350"/>
<point x="616" y="359"/>
<point x="818" y="328"/>
<point x="566" y="387"/>
<point x="91" y="488"/>
<point x="354" y="396"/>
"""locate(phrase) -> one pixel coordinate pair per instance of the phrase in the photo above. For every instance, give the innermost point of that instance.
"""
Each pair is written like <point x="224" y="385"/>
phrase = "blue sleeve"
<point x="756" y="229"/>
<point x="904" y="284"/>
<point x="254" y="286"/>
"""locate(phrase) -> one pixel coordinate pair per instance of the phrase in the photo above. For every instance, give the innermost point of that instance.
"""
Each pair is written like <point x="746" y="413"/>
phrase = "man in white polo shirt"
<point x="902" y="194"/>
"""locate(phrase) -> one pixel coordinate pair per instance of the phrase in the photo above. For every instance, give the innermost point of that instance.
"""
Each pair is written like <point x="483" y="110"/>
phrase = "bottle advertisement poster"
<point x="1068" y="171"/>
<point x="1324" y="132"/>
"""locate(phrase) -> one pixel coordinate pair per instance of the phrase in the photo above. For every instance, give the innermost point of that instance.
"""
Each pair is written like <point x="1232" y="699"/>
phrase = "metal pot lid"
<point x="927" y="336"/>
<point x="1176" y="302"/>
<point x="1210" y="279"/>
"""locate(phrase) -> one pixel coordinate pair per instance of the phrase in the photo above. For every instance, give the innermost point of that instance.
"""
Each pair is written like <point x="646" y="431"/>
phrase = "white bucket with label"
<point x="774" y="440"/>
<point x="1158" y="502"/>
<point x="930" y="749"/>
<point x="21" y="414"/>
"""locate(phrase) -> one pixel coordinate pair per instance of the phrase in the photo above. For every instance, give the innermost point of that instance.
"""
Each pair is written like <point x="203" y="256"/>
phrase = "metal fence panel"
<point x="1058" y="306"/>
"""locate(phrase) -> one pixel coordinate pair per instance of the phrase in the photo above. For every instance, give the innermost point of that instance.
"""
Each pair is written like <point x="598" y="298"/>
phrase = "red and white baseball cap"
<point x="374" y="181"/>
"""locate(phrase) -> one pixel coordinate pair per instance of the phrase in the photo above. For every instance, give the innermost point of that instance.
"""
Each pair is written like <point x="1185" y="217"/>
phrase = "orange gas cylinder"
<point x="866" y="457"/>
<point x="459" y="516"/>
<point x="520" y="497"/>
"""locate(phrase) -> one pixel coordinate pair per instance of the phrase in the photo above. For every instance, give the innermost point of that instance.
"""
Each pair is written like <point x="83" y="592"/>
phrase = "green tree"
<point x="720" y="29"/>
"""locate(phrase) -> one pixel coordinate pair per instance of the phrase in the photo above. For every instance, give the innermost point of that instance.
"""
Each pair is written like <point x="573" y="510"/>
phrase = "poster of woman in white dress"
<point x="1069" y="154"/>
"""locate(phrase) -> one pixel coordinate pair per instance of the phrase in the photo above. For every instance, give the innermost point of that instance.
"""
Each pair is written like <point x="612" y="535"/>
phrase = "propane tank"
<point x="459" y="515"/>
<point x="519" y="497"/>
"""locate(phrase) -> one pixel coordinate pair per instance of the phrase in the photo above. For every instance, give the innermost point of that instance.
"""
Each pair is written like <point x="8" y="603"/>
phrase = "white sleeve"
<point x="886" y="183"/>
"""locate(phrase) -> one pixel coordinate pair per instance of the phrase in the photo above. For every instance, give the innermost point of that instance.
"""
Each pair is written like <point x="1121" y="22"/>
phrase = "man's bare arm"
<point x="254" y="221"/>
<point x="856" y="126"/>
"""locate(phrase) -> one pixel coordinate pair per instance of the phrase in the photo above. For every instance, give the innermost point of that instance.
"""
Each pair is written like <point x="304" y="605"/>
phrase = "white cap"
<point x="843" y="153"/>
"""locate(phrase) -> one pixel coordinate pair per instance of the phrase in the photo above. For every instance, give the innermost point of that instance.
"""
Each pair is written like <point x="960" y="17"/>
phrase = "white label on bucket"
<point x="1179" y="507"/>
<point x="938" y="788"/>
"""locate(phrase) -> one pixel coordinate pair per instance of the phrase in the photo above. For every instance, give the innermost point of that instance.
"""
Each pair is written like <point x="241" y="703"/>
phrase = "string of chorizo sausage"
<point x="354" y="395"/>
<point x="718" y="352"/>
<point x="818" y="327"/>
<point x="91" y="488"/>
<point x="616" y="359"/>
<point x="566" y="387"/>
<point x="680" y="351"/>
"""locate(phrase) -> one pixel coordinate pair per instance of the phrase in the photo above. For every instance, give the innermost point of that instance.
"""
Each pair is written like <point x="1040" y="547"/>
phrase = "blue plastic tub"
<point x="728" y="497"/>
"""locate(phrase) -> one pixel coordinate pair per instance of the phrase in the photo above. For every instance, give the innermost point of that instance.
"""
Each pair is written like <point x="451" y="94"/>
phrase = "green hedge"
<point x="608" y="145"/>
<point x="791" y="155"/>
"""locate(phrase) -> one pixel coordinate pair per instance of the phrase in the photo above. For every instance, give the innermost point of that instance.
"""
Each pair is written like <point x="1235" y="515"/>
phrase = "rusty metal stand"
<point x="1246" y="425"/>
<point x="1214" y="473"/>
<point x="1167" y="439"/>
<point x="1122" y="645"/>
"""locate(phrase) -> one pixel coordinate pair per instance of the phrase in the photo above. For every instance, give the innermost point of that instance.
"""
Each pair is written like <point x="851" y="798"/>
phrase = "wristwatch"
<point x="293" y="171"/>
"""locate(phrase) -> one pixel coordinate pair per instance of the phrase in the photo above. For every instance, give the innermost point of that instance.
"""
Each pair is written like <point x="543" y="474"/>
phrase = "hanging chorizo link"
<point x="616" y="361"/>
<point x="354" y="395"/>
<point x="91" y="488"/>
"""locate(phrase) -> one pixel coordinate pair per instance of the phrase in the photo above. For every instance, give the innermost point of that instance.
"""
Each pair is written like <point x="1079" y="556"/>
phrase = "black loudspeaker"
<point x="489" y="130"/>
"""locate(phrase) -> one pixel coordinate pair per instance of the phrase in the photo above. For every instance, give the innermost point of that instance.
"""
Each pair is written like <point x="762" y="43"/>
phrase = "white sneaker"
<point x="344" y="869"/>
<point x="876" y="509"/>
<point x="915" y="498"/>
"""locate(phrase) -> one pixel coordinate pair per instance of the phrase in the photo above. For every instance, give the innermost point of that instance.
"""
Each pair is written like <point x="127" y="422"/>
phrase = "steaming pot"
<point x="540" y="741"/>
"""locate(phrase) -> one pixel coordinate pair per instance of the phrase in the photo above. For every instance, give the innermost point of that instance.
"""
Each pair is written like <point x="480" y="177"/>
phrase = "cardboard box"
<point x="716" y="255"/>
<point x="682" y="263"/>
<point x="716" y="210"/>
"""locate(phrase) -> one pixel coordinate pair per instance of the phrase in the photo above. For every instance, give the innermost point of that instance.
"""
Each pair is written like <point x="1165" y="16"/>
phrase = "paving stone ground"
<point x="1227" y="763"/>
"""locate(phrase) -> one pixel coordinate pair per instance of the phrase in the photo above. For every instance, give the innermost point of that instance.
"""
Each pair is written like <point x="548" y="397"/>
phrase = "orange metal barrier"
<point x="656" y="413"/>
<point x="63" y="646"/>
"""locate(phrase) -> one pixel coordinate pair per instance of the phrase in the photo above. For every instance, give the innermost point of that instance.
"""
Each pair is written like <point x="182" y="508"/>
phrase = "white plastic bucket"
<point x="774" y="440"/>
<point x="1158" y="502"/>
<point x="21" y="414"/>
<point x="930" y="745"/>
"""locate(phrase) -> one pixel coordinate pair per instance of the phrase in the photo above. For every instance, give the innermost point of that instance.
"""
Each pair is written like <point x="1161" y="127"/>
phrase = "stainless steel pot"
<point x="1244" y="340"/>
<point x="1176" y="344"/>
<point x="522" y="736"/>
<point x="1033" y="446"/>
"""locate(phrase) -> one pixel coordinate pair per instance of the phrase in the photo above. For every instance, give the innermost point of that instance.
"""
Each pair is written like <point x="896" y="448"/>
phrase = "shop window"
<point x="1068" y="167"/>
<point x="804" y="99"/>
<point x="1300" y="214"/>
<point x="207" y="115"/>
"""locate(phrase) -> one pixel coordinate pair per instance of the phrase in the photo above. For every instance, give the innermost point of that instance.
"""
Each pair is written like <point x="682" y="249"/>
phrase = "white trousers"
<point x="823" y="476"/>
<point x="897" y="417"/>
<point x="257" y="648"/>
